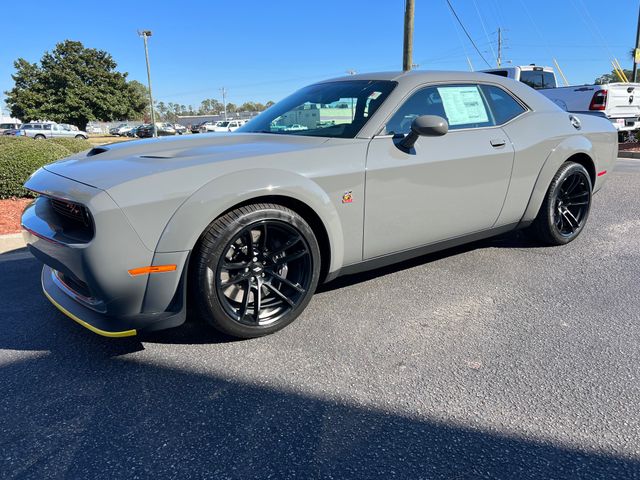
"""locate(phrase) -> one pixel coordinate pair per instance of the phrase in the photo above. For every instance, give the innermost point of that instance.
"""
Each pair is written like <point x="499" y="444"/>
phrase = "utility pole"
<point x="636" y="52"/>
<point x="499" y="59"/>
<point x="145" y="34"/>
<point x="224" y="101"/>
<point x="407" y="50"/>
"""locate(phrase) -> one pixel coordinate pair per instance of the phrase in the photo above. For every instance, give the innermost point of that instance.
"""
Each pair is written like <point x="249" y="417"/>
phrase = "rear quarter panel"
<point x="543" y="142"/>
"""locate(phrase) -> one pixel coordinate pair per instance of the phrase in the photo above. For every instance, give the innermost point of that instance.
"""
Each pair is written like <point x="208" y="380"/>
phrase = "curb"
<point x="623" y="154"/>
<point x="11" y="241"/>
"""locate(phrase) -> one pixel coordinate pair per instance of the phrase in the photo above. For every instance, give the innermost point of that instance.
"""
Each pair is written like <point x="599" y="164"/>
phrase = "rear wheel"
<point x="255" y="270"/>
<point x="39" y="137"/>
<point x="80" y="136"/>
<point x="566" y="206"/>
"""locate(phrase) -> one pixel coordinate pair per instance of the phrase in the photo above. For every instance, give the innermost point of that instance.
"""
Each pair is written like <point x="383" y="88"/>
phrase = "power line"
<point x="493" y="53"/>
<point x="467" y="33"/>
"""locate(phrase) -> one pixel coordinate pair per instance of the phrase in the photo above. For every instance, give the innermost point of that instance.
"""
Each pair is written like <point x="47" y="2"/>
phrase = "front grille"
<point x="71" y="210"/>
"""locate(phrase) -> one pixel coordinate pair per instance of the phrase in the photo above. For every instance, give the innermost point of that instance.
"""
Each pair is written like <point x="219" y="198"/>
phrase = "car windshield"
<point x="335" y="109"/>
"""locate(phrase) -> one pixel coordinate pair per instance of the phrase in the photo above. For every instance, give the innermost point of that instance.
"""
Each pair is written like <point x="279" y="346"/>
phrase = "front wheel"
<point x="566" y="206"/>
<point x="82" y="137"/>
<point x="255" y="270"/>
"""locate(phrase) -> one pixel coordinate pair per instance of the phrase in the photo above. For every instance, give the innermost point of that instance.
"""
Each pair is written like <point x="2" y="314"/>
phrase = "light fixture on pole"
<point x="145" y="34"/>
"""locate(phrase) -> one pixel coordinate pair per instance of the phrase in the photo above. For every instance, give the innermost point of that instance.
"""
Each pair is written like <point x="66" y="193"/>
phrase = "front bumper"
<point x="87" y="277"/>
<point x="103" y="324"/>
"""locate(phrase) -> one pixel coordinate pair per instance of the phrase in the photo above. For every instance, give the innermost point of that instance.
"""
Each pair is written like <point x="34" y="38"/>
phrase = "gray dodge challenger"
<point x="343" y="175"/>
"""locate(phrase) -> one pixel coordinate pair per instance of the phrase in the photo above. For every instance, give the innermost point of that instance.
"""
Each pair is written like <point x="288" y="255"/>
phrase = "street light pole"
<point x="407" y="50"/>
<point x="636" y="52"/>
<point x="145" y="34"/>
<point x="224" y="102"/>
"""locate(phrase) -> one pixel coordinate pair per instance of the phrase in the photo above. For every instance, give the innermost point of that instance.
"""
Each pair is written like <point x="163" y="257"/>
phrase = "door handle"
<point x="498" y="142"/>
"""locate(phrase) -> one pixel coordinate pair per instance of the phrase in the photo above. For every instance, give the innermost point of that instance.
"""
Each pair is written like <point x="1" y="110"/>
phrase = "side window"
<point x="503" y="105"/>
<point x="463" y="106"/>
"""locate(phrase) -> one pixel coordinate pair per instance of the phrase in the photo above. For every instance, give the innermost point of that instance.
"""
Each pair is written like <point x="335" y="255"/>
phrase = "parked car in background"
<point x="222" y="126"/>
<point x="134" y="131"/>
<point x="195" y="128"/>
<point x="94" y="129"/>
<point x="295" y="128"/>
<point x="251" y="223"/>
<point x="42" y="130"/>
<point x="219" y="126"/>
<point x="180" y="129"/>
<point x="121" y="129"/>
<point x="8" y="126"/>
<point x="162" y="129"/>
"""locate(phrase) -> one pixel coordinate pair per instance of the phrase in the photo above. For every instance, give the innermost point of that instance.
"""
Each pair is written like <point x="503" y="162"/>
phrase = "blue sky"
<point x="263" y="49"/>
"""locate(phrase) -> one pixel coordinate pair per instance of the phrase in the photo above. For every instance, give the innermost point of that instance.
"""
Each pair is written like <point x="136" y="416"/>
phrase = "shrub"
<point x="9" y="139"/>
<point x="19" y="158"/>
<point x="74" y="145"/>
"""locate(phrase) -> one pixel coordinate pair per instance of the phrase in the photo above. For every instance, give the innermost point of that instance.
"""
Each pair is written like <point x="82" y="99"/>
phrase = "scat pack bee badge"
<point x="347" y="197"/>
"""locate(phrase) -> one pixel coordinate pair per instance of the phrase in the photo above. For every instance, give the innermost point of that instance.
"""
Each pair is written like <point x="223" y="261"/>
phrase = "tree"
<point x="231" y="108"/>
<point x="248" y="107"/>
<point x="268" y="104"/>
<point x="612" y="77"/>
<point x="73" y="84"/>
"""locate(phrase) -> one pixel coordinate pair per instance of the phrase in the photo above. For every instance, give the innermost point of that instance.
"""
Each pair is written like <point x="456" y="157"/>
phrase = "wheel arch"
<point x="302" y="209"/>
<point x="587" y="162"/>
<point x="305" y="197"/>
<point x="575" y="149"/>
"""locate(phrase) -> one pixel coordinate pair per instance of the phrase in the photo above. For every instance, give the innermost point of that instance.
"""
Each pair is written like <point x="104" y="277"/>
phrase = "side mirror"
<point x="425" y="126"/>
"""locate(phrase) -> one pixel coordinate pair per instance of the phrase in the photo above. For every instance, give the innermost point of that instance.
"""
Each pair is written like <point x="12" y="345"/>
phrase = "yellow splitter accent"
<point x="104" y="333"/>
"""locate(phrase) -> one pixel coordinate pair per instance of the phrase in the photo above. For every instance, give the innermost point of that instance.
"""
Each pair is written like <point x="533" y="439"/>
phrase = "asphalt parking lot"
<point x="496" y="360"/>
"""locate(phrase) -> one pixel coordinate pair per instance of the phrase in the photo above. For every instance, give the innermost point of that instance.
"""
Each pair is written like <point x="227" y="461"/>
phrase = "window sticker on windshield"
<point x="375" y="95"/>
<point x="463" y="105"/>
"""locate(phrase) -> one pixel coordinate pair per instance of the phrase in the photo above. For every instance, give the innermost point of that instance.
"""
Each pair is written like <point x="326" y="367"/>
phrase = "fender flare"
<point x="194" y="215"/>
<point x="560" y="154"/>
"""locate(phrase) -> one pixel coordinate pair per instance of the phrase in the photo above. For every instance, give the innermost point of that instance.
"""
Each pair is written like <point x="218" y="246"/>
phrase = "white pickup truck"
<point x="619" y="102"/>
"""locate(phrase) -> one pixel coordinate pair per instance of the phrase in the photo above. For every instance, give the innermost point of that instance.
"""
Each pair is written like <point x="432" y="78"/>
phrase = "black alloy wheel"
<point x="257" y="268"/>
<point x="572" y="202"/>
<point x="264" y="273"/>
<point x="566" y="206"/>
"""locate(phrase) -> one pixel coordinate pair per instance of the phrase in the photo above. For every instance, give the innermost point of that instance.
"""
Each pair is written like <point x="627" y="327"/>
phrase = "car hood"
<point x="195" y="157"/>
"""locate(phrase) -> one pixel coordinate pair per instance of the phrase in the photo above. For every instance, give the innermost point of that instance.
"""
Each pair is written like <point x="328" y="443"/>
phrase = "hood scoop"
<point x="96" y="151"/>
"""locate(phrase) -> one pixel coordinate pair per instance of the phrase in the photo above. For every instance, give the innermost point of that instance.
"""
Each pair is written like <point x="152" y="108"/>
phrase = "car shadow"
<point x="513" y="240"/>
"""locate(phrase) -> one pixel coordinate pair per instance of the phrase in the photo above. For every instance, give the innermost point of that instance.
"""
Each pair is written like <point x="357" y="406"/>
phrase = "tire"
<point x="81" y="136"/>
<point x="39" y="137"/>
<point x="565" y="209"/>
<point x="251" y="293"/>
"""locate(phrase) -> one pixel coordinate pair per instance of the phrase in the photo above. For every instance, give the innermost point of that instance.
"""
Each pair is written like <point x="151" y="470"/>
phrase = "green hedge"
<point x="74" y="145"/>
<point x="20" y="157"/>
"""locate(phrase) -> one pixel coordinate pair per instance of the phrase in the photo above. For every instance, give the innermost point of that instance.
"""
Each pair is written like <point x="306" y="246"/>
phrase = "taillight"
<point x="599" y="100"/>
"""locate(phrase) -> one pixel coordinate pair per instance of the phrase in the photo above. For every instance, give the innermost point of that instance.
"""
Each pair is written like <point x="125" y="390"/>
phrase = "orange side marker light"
<point x="152" y="269"/>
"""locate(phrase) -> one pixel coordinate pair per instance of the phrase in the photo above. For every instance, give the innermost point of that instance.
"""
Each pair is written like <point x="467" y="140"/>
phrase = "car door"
<point x="57" y="131"/>
<point x="446" y="186"/>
